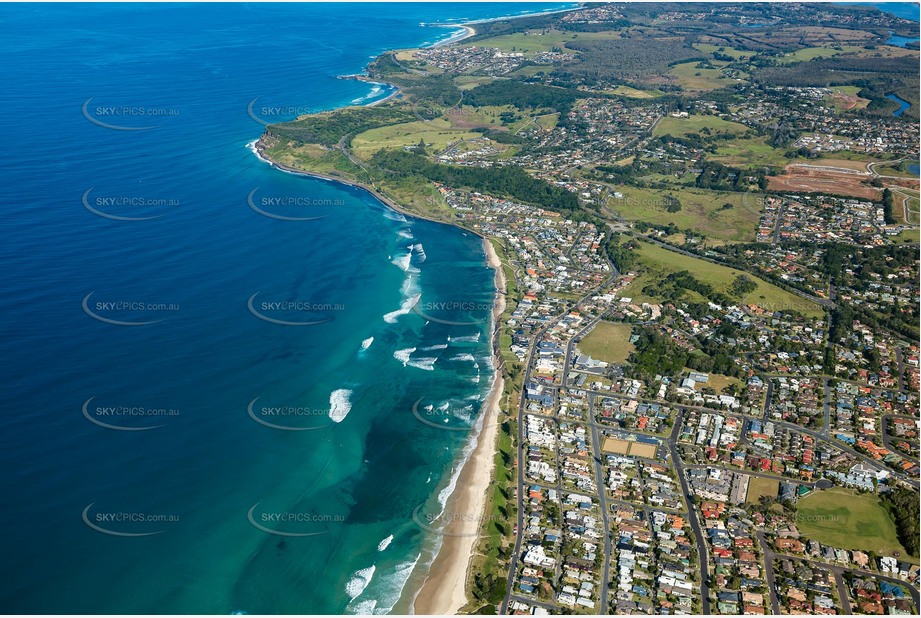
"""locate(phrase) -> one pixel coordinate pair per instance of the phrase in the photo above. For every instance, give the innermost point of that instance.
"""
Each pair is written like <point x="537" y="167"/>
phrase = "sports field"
<point x="608" y="342"/>
<point x="843" y="518"/>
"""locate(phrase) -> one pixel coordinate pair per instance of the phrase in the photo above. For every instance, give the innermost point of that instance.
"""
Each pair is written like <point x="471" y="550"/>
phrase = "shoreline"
<point x="258" y="149"/>
<point x="444" y="589"/>
<point x="468" y="31"/>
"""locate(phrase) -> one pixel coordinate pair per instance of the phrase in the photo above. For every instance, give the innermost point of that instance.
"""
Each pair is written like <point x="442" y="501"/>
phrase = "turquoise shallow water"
<point x="203" y="486"/>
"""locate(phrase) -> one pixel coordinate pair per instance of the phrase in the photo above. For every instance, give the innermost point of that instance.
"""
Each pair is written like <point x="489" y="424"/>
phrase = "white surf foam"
<point x="394" y="215"/>
<point x="339" y="404"/>
<point x="465" y="339"/>
<point x="363" y="608"/>
<point x="359" y="581"/>
<point x="437" y="346"/>
<point x="404" y="262"/>
<point x="406" y="306"/>
<point x="407" y="233"/>
<point x="426" y="364"/>
<point x="393" y="585"/>
<point x="403" y="355"/>
<point x="385" y="543"/>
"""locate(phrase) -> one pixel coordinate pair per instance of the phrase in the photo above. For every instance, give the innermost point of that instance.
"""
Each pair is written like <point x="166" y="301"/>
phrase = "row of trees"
<point x="902" y="505"/>
<point x="511" y="180"/>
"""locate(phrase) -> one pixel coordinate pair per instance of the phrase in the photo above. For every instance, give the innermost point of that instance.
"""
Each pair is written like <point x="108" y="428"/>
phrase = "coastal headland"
<point x="638" y="199"/>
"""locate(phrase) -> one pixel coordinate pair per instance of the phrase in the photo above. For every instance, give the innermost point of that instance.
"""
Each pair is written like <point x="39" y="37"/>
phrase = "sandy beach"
<point x="444" y="590"/>
<point x="468" y="32"/>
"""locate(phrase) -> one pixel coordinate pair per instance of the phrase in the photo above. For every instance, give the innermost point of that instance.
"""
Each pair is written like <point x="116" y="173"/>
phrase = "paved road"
<point x="826" y="408"/>
<point x="602" y="501"/>
<point x="547" y="606"/>
<point x="769" y="555"/>
<point x="912" y="590"/>
<point x="887" y="439"/>
<point x="702" y="553"/>
<point x="910" y="480"/>
<point x="762" y="475"/>
<point x="837" y="569"/>
<point x="842" y="592"/>
<point x="537" y="337"/>
<point x="767" y="399"/>
<point x="776" y="238"/>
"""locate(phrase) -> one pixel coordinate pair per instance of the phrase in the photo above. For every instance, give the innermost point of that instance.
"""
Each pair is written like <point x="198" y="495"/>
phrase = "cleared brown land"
<point x="616" y="445"/>
<point x="850" y="184"/>
<point x="643" y="450"/>
<point x="908" y="183"/>
<point x="859" y="166"/>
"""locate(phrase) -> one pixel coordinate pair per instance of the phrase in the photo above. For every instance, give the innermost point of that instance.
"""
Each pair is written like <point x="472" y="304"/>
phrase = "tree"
<point x="887" y="207"/>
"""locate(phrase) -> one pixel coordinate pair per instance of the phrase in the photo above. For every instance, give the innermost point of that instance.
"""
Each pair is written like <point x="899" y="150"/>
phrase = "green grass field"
<point x="701" y="211"/>
<point x="634" y="93"/>
<point x="608" y="341"/>
<point x="908" y="237"/>
<point x="659" y="262"/>
<point x="758" y="487"/>
<point x="547" y="121"/>
<point x="719" y="382"/>
<point x="729" y="51"/>
<point x="811" y="53"/>
<point x="678" y="127"/>
<point x="437" y="134"/>
<point x="750" y="152"/>
<point x="466" y="82"/>
<point x="843" y="518"/>
<point x="899" y="195"/>
<point x="689" y="77"/>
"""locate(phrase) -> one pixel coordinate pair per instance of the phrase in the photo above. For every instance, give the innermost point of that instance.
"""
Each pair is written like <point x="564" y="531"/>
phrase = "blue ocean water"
<point x="162" y="428"/>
